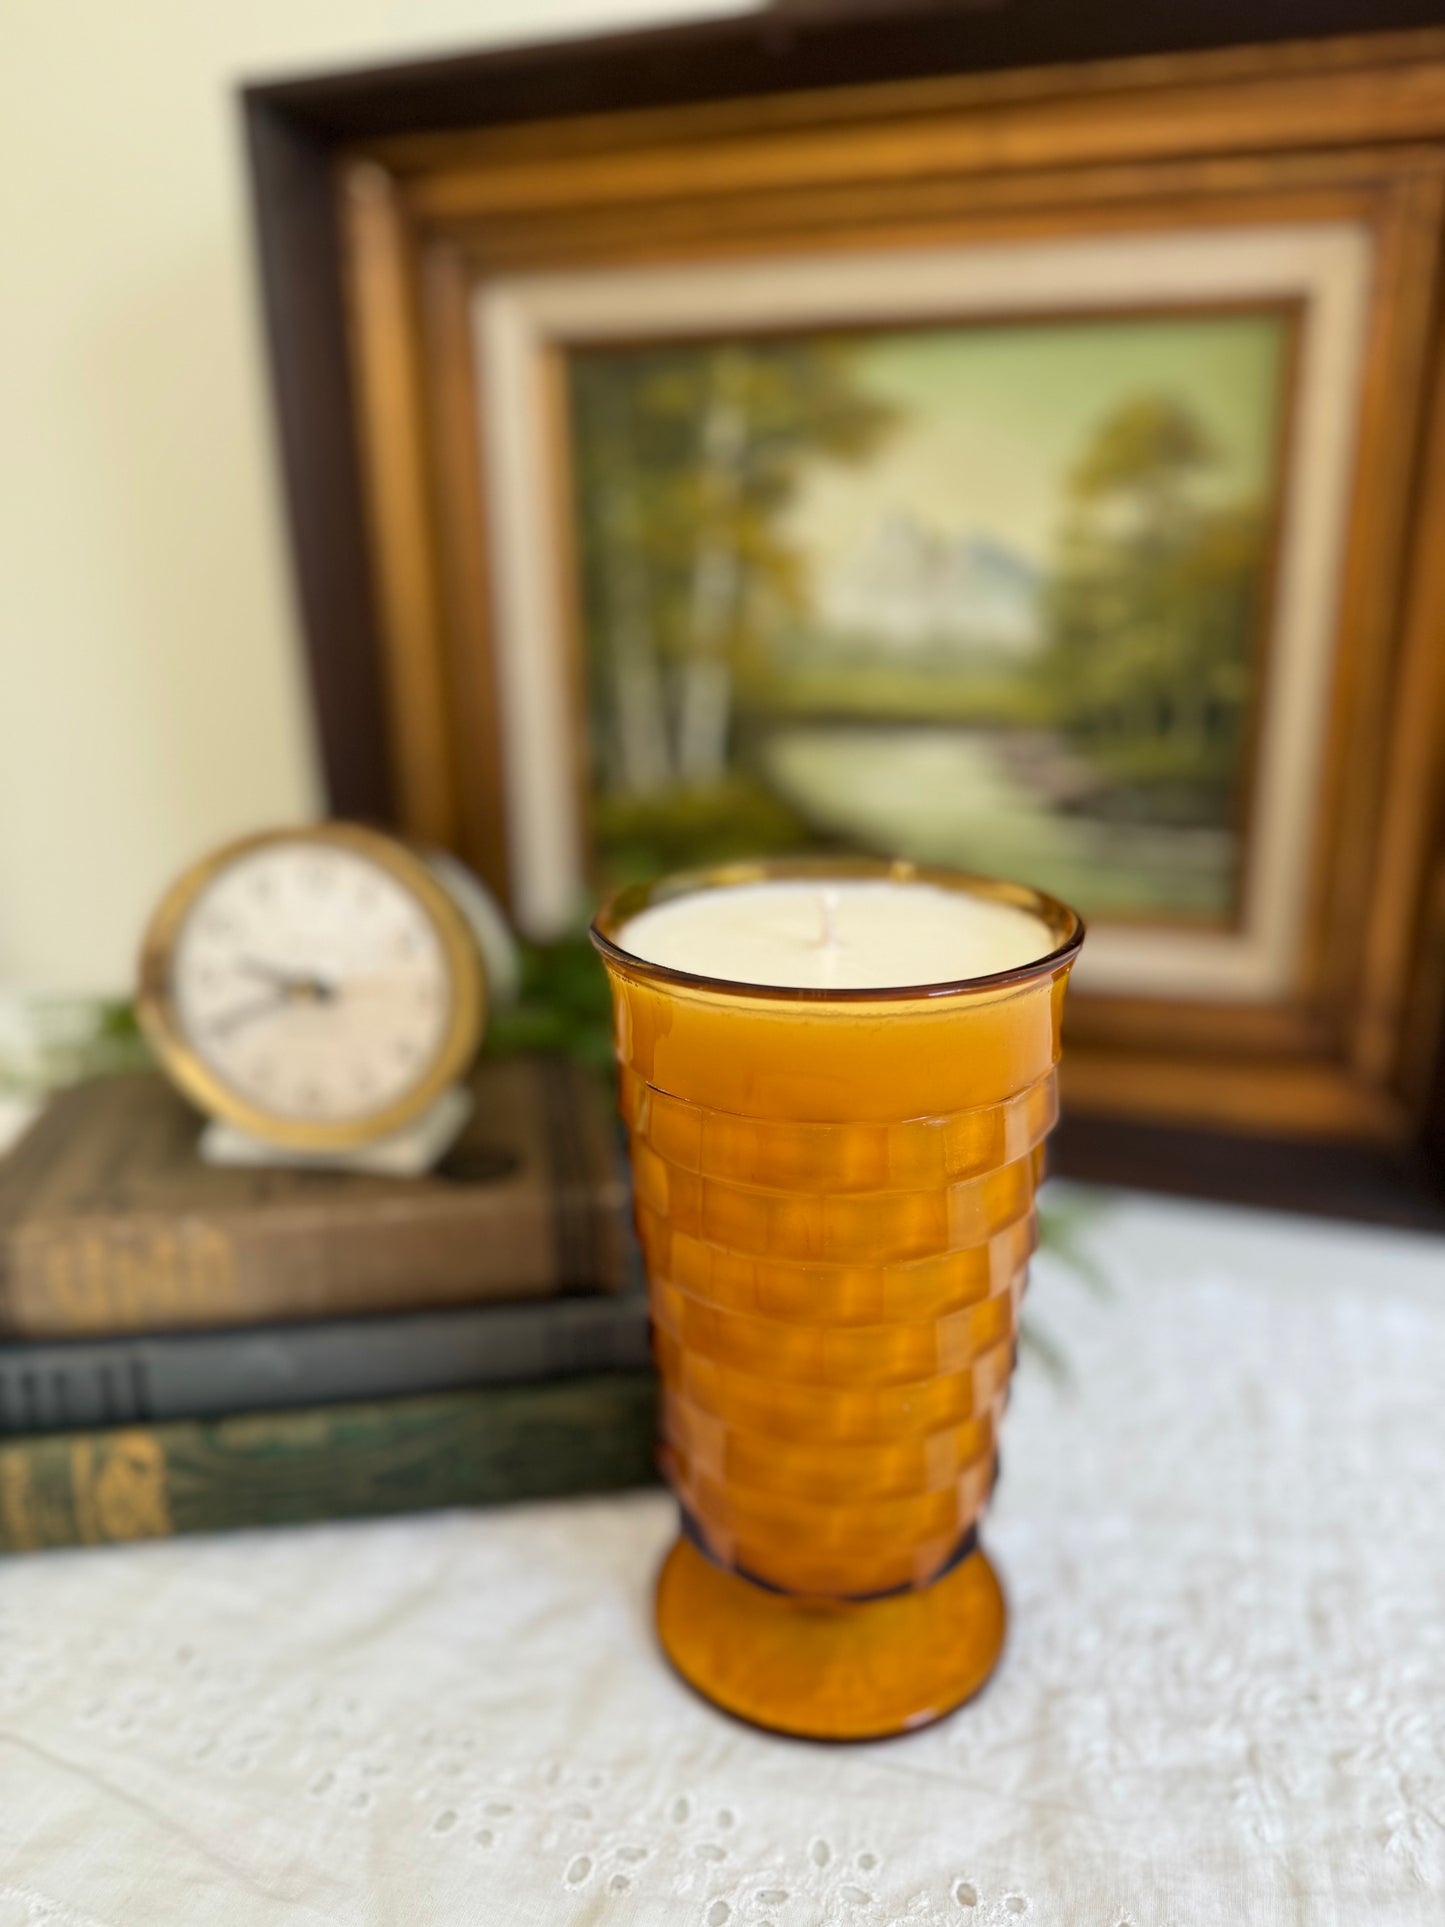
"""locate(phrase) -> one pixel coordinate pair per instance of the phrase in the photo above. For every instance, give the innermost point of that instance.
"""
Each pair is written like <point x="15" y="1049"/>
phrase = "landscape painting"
<point x="992" y="594"/>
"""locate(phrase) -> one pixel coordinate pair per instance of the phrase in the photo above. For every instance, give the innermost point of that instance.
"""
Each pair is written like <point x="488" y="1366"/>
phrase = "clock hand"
<point x="293" y="984"/>
<point x="244" y="1013"/>
<point x="258" y="967"/>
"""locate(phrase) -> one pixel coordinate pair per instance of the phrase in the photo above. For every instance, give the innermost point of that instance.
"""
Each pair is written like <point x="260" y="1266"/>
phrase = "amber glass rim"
<point x="1064" y="924"/>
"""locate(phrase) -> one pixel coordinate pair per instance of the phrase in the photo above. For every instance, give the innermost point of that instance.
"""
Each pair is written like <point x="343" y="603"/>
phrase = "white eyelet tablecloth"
<point x="1223" y="1699"/>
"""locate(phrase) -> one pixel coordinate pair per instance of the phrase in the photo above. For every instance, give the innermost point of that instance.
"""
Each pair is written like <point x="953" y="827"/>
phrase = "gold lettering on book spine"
<point x="17" y="1521"/>
<point x="120" y="1488"/>
<point x="122" y="1278"/>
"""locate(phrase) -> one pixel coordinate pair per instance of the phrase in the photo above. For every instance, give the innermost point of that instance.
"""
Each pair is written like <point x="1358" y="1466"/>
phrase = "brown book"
<point x="110" y="1222"/>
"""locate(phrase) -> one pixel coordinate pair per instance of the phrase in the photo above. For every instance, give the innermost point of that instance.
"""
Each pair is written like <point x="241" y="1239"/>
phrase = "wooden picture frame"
<point x="386" y="201"/>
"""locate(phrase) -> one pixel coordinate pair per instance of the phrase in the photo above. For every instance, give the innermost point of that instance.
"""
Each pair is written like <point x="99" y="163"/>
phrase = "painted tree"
<point x="688" y="457"/>
<point x="1153" y="612"/>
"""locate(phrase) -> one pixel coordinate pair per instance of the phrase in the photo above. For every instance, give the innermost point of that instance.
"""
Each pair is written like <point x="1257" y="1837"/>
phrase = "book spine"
<point x="111" y="1223"/>
<point x="147" y="1272"/>
<point x="147" y="1379"/>
<point x="332" y="1462"/>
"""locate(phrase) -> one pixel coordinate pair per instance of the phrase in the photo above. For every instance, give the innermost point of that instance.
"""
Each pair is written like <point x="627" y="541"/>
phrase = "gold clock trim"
<point x="160" y="1020"/>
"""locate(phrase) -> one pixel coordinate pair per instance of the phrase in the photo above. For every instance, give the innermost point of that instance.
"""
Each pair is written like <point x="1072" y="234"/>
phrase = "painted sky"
<point x="995" y="416"/>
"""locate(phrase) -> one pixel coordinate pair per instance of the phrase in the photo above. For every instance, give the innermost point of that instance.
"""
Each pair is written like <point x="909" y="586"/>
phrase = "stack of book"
<point x="186" y="1348"/>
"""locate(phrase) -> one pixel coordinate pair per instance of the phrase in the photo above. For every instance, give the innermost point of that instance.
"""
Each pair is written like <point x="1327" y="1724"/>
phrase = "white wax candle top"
<point x="855" y="934"/>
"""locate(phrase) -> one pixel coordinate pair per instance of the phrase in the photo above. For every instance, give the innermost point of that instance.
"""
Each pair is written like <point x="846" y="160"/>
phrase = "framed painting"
<point x="1029" y="582"/>
<point x="1039" y="470"/>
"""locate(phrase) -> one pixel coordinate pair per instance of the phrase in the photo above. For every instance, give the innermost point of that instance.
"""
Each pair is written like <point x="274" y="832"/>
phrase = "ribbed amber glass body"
<point x="835" y="1197"/>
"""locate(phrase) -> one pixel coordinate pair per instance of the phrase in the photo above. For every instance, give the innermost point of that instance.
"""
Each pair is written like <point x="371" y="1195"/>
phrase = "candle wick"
<point x="829" y="906"/>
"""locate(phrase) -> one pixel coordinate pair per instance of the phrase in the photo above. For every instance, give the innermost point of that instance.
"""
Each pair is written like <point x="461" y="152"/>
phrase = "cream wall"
<point x="150" y="690"/>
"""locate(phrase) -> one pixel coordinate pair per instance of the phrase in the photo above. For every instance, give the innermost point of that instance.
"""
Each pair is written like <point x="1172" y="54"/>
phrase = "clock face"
<point x="313" y="986"/>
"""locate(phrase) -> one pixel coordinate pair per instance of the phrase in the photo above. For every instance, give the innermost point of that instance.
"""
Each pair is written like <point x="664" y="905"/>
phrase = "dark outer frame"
<point x="294" y="130"/>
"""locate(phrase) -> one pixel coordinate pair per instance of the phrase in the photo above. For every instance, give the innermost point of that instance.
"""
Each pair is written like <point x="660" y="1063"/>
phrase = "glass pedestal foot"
<point x="830" y="1670"/>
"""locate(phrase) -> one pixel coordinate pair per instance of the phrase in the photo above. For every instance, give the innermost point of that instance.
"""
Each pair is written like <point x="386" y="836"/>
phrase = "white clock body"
<point x="318" y="988"/>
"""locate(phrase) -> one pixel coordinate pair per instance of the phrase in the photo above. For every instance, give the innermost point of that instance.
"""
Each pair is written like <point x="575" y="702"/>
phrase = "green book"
<point x="475" y="1447"/>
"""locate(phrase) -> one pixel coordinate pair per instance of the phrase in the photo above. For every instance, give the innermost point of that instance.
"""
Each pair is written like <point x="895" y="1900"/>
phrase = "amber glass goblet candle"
<point x="837" y="1076"/>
